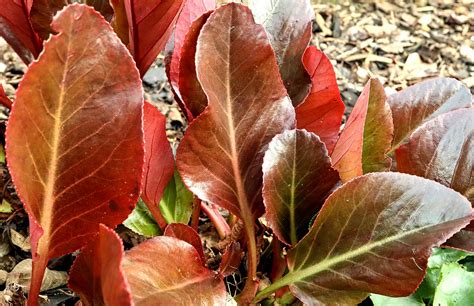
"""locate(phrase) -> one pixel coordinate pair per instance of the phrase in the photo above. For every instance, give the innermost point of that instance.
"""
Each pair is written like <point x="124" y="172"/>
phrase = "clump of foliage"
<point x="347" y="211"/>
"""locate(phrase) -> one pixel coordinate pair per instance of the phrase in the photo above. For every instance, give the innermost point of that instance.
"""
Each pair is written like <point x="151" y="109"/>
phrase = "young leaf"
<point x="176" y="205"/>
<point x="97" y="276"/>
<point x="178" y="274"/>
<point x="221" y="154"/>
<point x="192" y="9"/>
<point x="16" y="29"/>
<point x="367" y="135"/>
<point x="421" y="102"/>
<point x="462" y="293"/>
<point x="289" y="28"/>
<point x="188" y="234"/>
<point x="41" y="15"/>
<point x="321" y="112"/>
<point x="297" y="177"/>
<point x="373" y="234"/>
<point x="443" y="150"/>
<point x="159" y="160"/>
<point x="150" y="26"/>
<point x="80" y="164"/>
<point x="192" y="95"/>
<point x="141" y="221"/>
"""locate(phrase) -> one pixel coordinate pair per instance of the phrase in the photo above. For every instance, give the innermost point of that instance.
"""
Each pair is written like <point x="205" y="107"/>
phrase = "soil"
<point x="400" y="44"/>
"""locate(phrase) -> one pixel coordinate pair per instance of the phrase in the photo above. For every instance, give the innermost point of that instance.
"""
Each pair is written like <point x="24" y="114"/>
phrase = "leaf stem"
<point x="196" y="212"/>
<point x="280" y="283"/>
<point x="223" y="229"/>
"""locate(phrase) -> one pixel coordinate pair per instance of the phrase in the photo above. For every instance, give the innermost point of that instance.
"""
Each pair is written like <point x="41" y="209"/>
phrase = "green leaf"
<point x="2" y="154"/>
<point x="381" y="300"/>
<point x="5" y="207"/>
<point x="455" y="286"/>
<point x="141" y="221"/>
<point x="176" y="205"/>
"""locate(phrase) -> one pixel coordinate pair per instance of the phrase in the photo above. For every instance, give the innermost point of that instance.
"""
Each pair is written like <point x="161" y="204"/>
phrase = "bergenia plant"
<point x="305" y="208"/>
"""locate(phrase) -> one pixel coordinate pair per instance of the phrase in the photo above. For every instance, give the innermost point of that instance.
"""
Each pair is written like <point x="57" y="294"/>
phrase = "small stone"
<point x="3" y="67"/>
<point x="425" y="20"/>
<point x="469" y="82"/>
<point x="381" y="31"/>
<point x="3" y="277"/>
<point x="467" y="54"/>
<point x="155" y="75"/>
<point x="362" y="75"/>
<point x="356" y="34"/>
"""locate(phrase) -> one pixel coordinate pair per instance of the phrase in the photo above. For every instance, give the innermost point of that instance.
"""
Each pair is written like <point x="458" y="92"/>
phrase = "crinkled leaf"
<point x="176" y="205"/>
<point x="421" y="102"/>
<point x="159" y="160"/>
<point x="178" y="274"/>
<point x="150" y="26"/>
<point x="221" y="154"/>
<point x="367" y="135"/>
<point x="288" y="25"/>
<point x="192" y="9"/>
<point x="16" y="29"/>
<point x="41" y="15"/>
<point x="193" y="96"/>
<point x="455" y="286"/>
<point x="374" y="234"/>
<point x="97" y="276"/>
<point x="321" y="112"/>
<point x="297" y="178"/>
<point x="141" y="221"/>
<point x="443" y="150"/>
<point x="80" y="164"/>
<point x="188" y="234"/>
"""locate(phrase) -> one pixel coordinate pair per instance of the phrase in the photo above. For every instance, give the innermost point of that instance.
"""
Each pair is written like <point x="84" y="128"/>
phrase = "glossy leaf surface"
<point x="41" y="15"/>
<point x="97" y="275"/>
<point x="289" y="28"/>
<point x="141" y="221"/>
<point x="192" y="94"/>
<point x="443" y="150"/>
<point x="16" y="29"/>
<point x="367" y="135"/>
<point x="221" y="154"/>
<point x="374" y="234"/>
<point x="176" y="205"/>
<point x="80" y="164"/>
<point x="150" y="26"/>
<point x="159" y="160"/>
<point x="421" y="102"/>
<point x="297" y="178"/>
<point x="192" y="10"/>
<point x="178" y="274"/>
<point x="321" y="112"/>
<point x="187" y="234"/>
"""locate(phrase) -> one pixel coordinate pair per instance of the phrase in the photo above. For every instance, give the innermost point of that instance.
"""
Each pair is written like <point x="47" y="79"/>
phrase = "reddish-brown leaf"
<point x="289" y="28"/>
<point x="166" y="270"/>
<point x="41" y="15"/>
<point x="443" y="150"/>
<point x="186" y="233"/>
<point x="421" y="102"/>
<point x="16" y="29"/>
<point x="4" y="100"/>
<point x="230" y="259"/>
<point x="367" y="135"/>
<point x="193" y="97"/>
<point x="119" y="21"/>
<point x="159" y="160"/>
<point x="150" y="26"/>
<point x="97" y="276"/>
<point x="80" y="164"/>
<point x="102" y="6"/>
<point x="373" y="234"/>
<point x="321" y="112"/>
<point x="192" y="9"/>
<point x="297" y="178"/>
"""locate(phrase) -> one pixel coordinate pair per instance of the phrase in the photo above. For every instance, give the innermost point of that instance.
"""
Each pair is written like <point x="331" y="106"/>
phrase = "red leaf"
<point x="41" y="15"/>
<point x="192" y="9"/>
<point x="159" y="160"/>
<point x="150" y="26"/>
<point x="188" y="234"/>
<point x="443" y="150"/>
<point x="192" y="95"/>
<point x="177" y="274"/>
<point x="97" y="276"/>
<point x="80" y="164"/>
<point x="297" y="178"/>
<point x="230" y="259"/>
<point x="423" y="101"/>
<point x="16" y="29"/>
<point x="367" y="135"/>
<point x="4" y="100"/>
<point x="321" y="112"/>
<point x="289" y="28"/>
